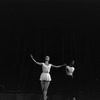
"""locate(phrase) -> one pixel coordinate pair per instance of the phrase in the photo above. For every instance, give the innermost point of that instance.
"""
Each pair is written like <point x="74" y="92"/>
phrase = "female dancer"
<point x="45" y="77"/>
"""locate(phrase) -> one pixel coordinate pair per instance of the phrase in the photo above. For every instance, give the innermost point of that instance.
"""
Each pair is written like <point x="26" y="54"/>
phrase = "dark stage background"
<point x="64" y="30"/>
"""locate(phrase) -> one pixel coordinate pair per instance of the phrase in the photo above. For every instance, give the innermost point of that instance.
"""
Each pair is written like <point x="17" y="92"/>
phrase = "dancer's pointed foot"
<point x="45" y="98"/>
<point x="74" y="98"/>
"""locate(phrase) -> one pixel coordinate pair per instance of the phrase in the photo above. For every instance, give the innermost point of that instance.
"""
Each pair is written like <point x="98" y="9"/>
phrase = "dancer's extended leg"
<point x="42" y="86"/>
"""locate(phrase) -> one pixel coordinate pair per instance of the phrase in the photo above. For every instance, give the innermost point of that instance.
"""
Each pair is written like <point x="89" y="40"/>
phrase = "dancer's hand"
<point x="31" y="55"/>
<point x="65" y="64"/>
<point x="35" y="60"/>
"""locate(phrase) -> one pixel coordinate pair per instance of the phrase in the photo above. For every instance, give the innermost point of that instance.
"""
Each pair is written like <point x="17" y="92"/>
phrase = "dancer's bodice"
<point x="46" y="68"/>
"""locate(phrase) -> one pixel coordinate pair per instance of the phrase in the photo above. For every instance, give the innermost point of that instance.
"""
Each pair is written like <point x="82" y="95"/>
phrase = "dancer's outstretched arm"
<point x="35" y="60"/>
<point x="58" y="65"/>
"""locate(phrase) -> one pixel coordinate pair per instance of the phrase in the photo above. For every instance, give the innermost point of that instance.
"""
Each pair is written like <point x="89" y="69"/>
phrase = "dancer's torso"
<point x="46" y="68"/>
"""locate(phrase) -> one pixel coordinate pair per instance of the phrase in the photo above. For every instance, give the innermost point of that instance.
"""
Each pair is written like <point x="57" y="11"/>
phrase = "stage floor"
<point x="32" y="96"/>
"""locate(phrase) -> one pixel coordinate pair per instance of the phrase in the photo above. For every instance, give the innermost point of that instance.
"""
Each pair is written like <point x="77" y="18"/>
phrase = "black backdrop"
<point x="64" y="30"/>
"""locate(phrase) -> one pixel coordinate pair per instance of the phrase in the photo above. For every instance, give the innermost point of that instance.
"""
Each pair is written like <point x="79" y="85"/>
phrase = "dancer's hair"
<point x="72" y="63"/>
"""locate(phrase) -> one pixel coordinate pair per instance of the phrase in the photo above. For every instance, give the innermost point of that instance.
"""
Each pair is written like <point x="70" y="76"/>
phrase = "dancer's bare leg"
<point x="42" y="85"/>
<point x="47" y="83"/>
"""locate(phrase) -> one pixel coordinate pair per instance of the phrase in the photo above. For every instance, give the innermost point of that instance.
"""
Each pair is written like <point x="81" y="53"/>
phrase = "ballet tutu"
<point x="45" y="76"/>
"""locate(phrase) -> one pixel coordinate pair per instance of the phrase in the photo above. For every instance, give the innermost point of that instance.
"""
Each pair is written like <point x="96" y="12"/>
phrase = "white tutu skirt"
<point x="45" y="76"/>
